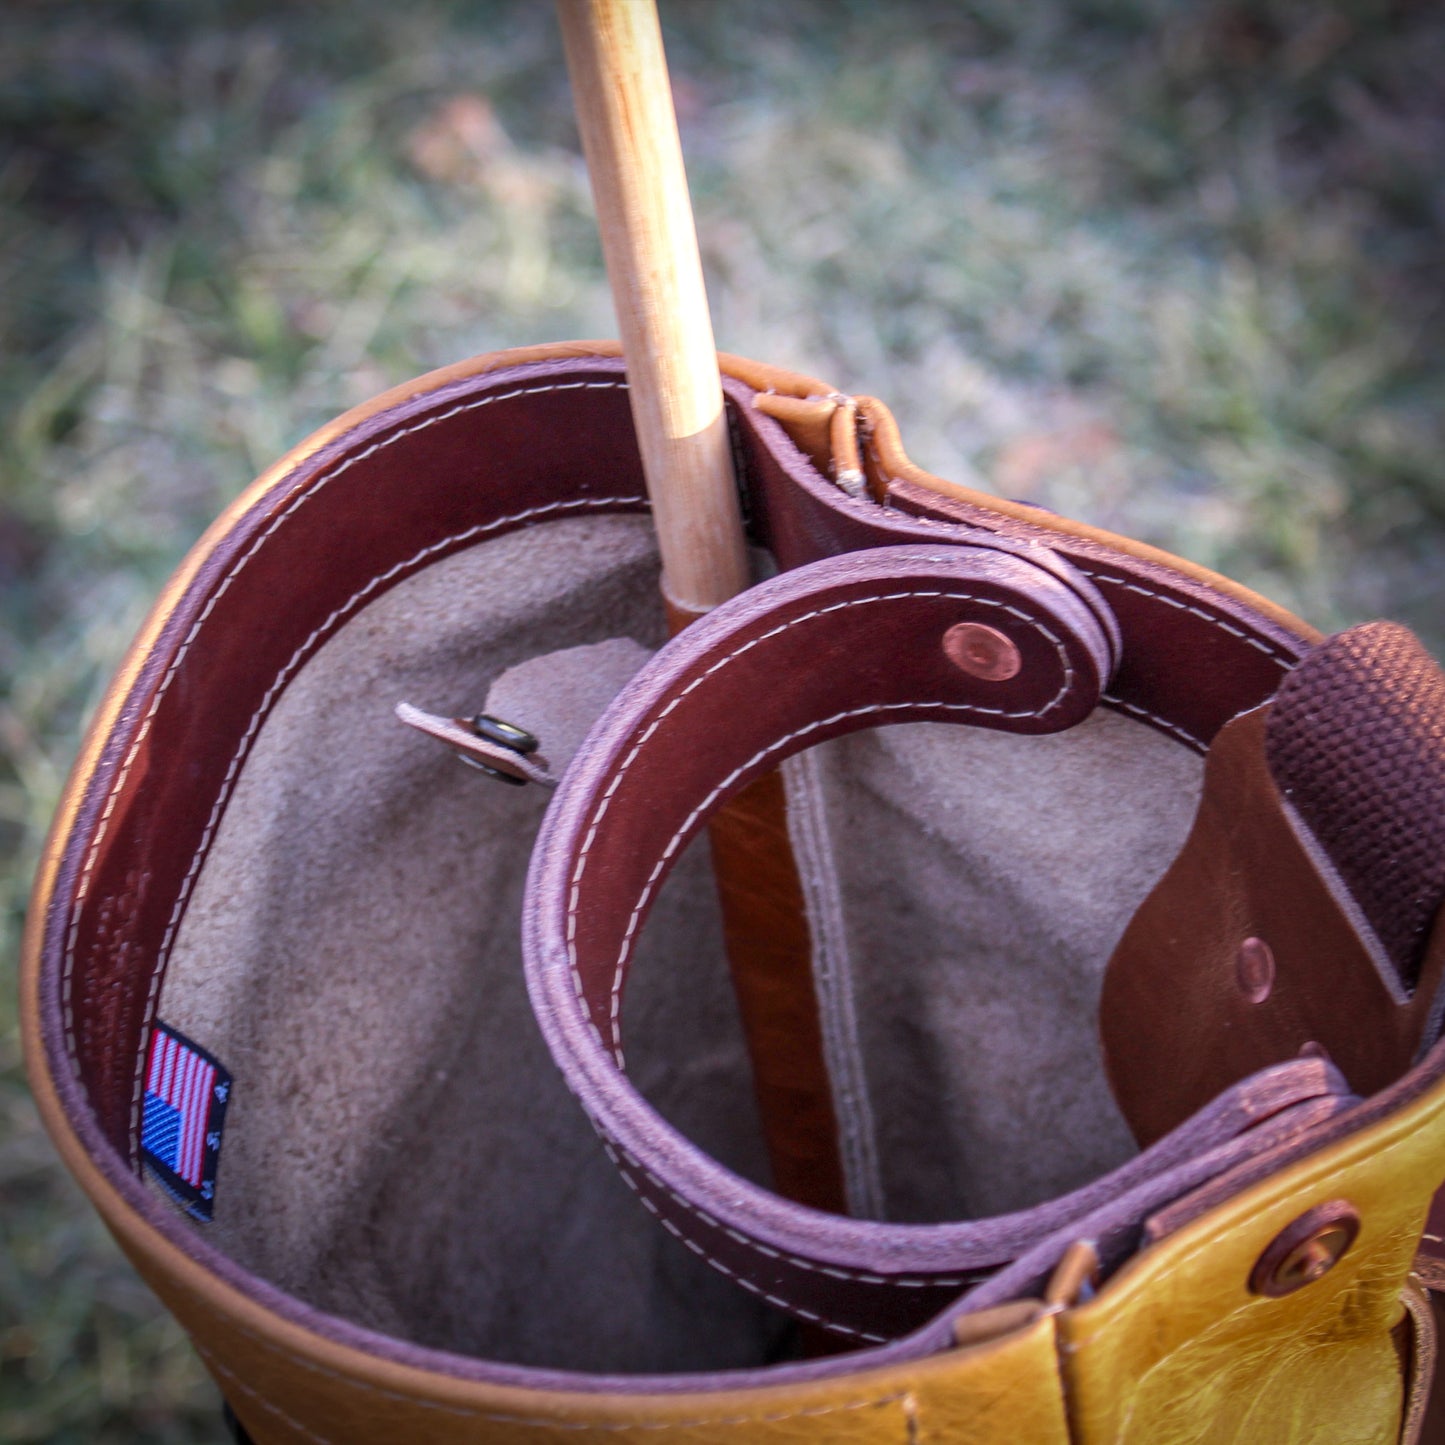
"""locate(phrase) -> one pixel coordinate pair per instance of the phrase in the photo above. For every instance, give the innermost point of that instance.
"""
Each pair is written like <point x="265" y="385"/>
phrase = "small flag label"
<point x="186" y="1094"/>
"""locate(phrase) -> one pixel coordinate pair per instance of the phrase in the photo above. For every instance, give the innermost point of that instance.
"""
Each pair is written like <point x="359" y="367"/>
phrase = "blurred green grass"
<point x="1174" y="268"/>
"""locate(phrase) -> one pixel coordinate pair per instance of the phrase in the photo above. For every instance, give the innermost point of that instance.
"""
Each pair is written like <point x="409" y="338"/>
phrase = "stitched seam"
<point x="777" y="1301"/>
<point x="614" y="1148"/>
<point x="231" y="1381"/>
<point x="301" y="654"/>
<point x="594" y="823"/>
<point x="972" y="709"/>
<point x="465" y="1412"/>
<point x="813" y="848"/>
<point x="1269" y="650"/>
<point x="1182" y="734"/>
<point x="83" y="884"/>
<point x="782" y="1256"/>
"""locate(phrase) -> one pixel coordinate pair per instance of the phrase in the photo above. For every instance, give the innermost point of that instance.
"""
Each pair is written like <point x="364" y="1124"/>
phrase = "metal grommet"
<point x="515" y="779"/>
<point x="1306" y="1250"/>
<point x="982" y="652"/>
<point x="1254" y="969"/>
<point x="504" y="734"/>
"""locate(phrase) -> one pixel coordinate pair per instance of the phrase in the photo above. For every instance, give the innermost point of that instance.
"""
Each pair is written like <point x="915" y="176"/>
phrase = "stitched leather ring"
<point x="859" y="641"/>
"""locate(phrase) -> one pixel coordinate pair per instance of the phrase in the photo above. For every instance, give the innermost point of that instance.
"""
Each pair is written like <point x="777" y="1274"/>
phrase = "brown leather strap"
<point x="770" y="953"/>
<point x="770" y="958"/>
<point x="1247" y="952"/>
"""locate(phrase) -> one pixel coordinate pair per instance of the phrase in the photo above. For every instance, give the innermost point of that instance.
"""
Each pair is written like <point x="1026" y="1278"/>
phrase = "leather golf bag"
<point x="987" y="972"/>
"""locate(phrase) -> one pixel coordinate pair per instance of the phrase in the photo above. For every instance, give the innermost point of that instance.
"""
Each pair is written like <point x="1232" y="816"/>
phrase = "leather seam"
<point x="301" y="655"/>
<point x="814" y="852"/>
<point x="972" y="709"/>
<point x="1131" y="707"/>
<point x="473" y="1413"/>
<point x="1267" y="648"/>
<point x="613" y="1148"/>
<point x="574" y="900"/>
<point x="833" y="1272"/>
<point x="82" y="884"/>
<point x="1107" y="580"/>
<point x="229" y="1380"/>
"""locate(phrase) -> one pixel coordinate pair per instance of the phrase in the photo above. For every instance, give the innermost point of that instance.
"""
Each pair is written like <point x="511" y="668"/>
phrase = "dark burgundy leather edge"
<point x="1237" y="655"/>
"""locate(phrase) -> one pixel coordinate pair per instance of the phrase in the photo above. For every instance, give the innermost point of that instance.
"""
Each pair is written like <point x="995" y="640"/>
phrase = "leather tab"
<point x="1181" y="1016"/>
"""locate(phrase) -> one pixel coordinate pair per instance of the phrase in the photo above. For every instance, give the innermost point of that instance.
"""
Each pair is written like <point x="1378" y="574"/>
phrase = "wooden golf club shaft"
<point x="634" y="156"/>
<point x="629" y="133"/>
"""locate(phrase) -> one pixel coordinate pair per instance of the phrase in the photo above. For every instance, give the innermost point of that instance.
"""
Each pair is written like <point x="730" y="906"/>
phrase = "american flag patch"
<point x="185" y="1108"/>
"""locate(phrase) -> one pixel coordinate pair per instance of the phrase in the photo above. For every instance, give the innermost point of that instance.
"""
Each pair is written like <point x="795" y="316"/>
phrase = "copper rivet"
<point x="1254" y="969"/>
<point x="982" y="652"/>
<point x="1306" y="1250"/>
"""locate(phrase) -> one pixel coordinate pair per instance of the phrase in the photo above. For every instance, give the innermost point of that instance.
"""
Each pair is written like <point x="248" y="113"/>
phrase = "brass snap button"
<point x="1254" y="969"/>
<point x="982" y="652"/>
<point x="1306" y="1250"/>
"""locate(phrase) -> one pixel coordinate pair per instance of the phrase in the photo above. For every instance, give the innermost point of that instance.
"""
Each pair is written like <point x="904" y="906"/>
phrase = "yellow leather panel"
<point x="1177" y="1351"/>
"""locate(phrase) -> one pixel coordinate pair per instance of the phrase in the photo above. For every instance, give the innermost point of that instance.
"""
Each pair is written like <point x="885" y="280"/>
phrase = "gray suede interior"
<point x="399" y="1148"/>
<point x="983" y="880"/>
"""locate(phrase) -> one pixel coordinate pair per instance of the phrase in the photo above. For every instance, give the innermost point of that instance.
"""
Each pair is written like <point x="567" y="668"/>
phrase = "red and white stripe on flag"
<point x="181" y="1078"/>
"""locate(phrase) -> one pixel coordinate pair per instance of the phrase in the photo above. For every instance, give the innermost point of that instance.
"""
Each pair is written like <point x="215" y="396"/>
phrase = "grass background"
<point x="1174" y="268"/>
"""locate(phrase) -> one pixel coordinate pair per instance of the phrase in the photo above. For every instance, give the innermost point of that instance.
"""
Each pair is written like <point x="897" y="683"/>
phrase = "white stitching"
<point x="738" y="1279"/>
<point x="264" y="708"/>
<point x="82" y="885"/>
<point x="1269" y="650"/>
<point x="231" y="1381"/>
<point x="604" y="803"/>
<point x="858" y="1276"/>
<point x="1179" y="732"/>
<point x="851" y="1276"/>
<point x="775" y="746"/>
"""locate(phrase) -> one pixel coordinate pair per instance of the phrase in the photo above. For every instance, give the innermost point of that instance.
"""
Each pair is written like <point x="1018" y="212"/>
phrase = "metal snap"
<point x="505" y="734"/>
<point x="982" y="652"/>
<point x="1306" y="1250"/>
<point x="1254" y="969"/>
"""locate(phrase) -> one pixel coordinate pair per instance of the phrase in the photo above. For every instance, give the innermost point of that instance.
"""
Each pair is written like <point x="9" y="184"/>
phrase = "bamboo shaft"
<point x="629" y="133"/>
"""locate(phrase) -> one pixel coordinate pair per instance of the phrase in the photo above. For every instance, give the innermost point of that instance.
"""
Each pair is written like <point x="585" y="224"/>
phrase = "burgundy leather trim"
<point x="1235" y="656"/>
<point x="480" y="455"/>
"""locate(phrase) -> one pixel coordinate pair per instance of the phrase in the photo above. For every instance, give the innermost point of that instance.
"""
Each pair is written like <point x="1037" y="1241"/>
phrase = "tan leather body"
<point x="1175" y="1348"/>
